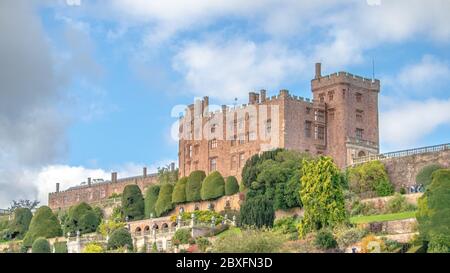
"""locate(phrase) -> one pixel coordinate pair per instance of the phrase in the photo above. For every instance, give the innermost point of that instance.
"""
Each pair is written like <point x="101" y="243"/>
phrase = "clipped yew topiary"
<point x="194" y="185"/>
<point x="132" y="203"/>
<point x="43" y="224"/>
<point x="151" y="196"/>
<point x="41" y="245"/>
<point x="120" y="238"/>
<point x="83" y="218"/>
<point x="20" y="224"/>
<point x="231" y="185"/>
<point x="213" y="186"/>
<point x="164" y="203"/>
<point x="179" y="191"/>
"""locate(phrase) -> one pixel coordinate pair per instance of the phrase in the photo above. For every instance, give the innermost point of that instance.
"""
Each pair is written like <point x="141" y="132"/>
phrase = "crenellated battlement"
<point x="346" y="78"/>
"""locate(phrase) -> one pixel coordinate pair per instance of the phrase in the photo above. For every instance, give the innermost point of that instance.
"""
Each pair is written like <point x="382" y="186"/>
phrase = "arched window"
<point x="361" y="154"/>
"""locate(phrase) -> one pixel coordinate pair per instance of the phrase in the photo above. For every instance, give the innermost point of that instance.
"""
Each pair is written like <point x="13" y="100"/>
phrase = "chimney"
<point x="263" y="95"/>
<point x="57" y="187"/>
<point x="144" y="171"/>
<point x="113" y="177"/>
<point x="284" y="93"/>
<point x="89" y="182"/>
<point x="318" y="70"/>
<point x="205" y="102"/>
<point x="251" y="98"/>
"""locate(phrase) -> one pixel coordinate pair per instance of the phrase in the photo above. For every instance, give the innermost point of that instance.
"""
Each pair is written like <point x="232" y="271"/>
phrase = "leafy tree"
<point x="43" y="224"/>
<point x="179" y="191"/>
<point x="108" y="227"/>
<point x="151" y="196"/>
<point x="41" y="245"/>
<point x="165" y="175"/>
<point x="370" y="177"/>
<point x="164" y="203"/>
<point x="83" y="218"/>
<point x="28" y="204"/>
<point x="203" y="243"/>
<point x="20" y="224"/>
<point x="258" y="212"/>
<point x="194" y="185"/>
<point x="231" y="185"/>
<point x="132" y="203"/>
<point x="213" y="186"/>
<point x="325" y="240"/>
<point x="433" y="215"/>
<point x="424" y="176"/>
<point x="251" y="170"/>
<point x="322" y="195"/>
<point x="120" y="238"/>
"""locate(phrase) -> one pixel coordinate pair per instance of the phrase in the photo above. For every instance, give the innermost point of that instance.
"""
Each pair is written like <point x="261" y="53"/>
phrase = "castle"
<point x="340" y="121"/>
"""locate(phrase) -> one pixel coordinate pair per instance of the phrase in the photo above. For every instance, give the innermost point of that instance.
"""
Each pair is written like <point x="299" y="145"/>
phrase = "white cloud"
<point x="407" y="123"/>
<point x="228" y="69"/>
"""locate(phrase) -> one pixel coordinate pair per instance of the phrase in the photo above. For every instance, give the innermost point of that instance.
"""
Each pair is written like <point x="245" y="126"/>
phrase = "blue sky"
<point x="89" y="86"/>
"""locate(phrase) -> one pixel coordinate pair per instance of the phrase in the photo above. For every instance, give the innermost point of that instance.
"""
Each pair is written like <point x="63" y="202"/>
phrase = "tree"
<point x="213" y="186"/>
<point x="251" y="170"/>
<point x="43" y="224"/>
<point x="179" y="191"/>
<point x="370" y="177"/>
<point x="324" y="239"/>
<point x="249" y="241"/>
<point x="151" y="196"/>
<point x="41" y="245"/>
<point x="20" y="224"/>
<point x="433" y="215"/>
<point x="258" y="212"/>
<point x="322" y="195"/>
<point x="194" y="185"/>
<point x="424" y="176"/>
<point x="182" y="236"/>
<point x="28" y="204"/>
<point x="83" y="218"/>
<point x="231" y="186"/>
<point x="93" y="248"/>
<point x="132" y="203"/>
<point x="120" y="238"/>
<point x="166" y="175"/>
<point x="164" y="203"/>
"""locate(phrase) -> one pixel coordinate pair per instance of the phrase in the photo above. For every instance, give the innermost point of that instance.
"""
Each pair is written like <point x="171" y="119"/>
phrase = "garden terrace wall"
<point x="380" y="202"/>
<point x="226" y="202"/>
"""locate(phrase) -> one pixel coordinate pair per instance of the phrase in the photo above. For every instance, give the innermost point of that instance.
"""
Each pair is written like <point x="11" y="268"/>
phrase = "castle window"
<point x="213" y="164"/>
<point x="233" y="141"/>
<point x="196" y="148"/>
<point x="359" y="133"/>
<point x="213" y="144"/>
<point x="322" y="97"/>
<point x="268" y="127"/>
<point x="358" y="97"/>
<point x="308" y="125"/>
<point x="320" y="116"/>
<point x="233" y="162"/>
<point x="359" y="115"/>
<point x="330" y="114"/>
<point x="320" y="132"/>
<point x="241" y="139"/>
<point x="308" y="110"/>
<point x="189" y="150"/>
<point x="252" y="136"/>
<point x="241" y="160"/>
<point x="213" y="128"/>
<point x="330" y="95"/>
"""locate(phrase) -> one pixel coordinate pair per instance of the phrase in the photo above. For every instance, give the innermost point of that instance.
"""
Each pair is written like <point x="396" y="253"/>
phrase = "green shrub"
<point x="60" y="247"/>
<point x="213" y="186"/>
<point x="202" y="243"/>
<point x="179" y="191"/>
<point x="43" y="224"/>
<point x="120" y="238"/>
<point x="20" y="224"/>
<point x="439" y="243"/>
<point x="132" y="203"/>
<point x="41" y="245"/>
<point x="324" y="239"/>
<point x="287" y="225"/>
<point x="164" y="203"/>
<point x="151" y="196"/>
<point x="424" y="176"/>
<point x="397" y="204"/>
<point x="258" y="212"/>
<point x="81" y="218"/>
<point x="182" y="236"/>
<point x="346" y="236"/>
<point x="194" y="185"/>
<point x="93" y="248"/>
<point x="249" y="241"/>
<point x="370" y="177"/>
<point x="231" y="185"/>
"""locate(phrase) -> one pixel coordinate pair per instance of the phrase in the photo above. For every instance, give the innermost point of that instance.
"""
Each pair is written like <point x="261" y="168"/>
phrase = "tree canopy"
<point x="151" y="197"/>
<point x="213" y="186"/>
<point x="179" y="191"/>
<point x="194" y="185"/>
<point x="83" y="218"/>
<point x="43" y="224"/>
<point x="132" y="203"/>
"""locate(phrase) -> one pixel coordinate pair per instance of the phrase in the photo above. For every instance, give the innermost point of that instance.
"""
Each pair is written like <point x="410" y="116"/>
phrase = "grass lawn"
<point x="382" y="217"/>
<point x="231" y="230"/>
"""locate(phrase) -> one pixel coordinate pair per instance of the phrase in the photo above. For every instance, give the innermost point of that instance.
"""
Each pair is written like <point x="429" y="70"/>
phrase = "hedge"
<point x="43" y="224"/>
<point x="164" y="203"/>
<point x="213" y="186"/>
<point x="179" y="191"/>
<point x="120" y="238"/>
<point x="83" y="218"/>
<point x="231" y="185"/>
<point x="194" y="185"/>
<point x="41" y="245"/>
<point x="132" y="203"/>
<point x="60" y="247"/>
<point x="20" y="224"/>
<point x="151" y="196"/>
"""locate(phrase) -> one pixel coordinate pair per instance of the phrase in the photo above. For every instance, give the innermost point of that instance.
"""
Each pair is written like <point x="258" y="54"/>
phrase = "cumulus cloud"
<point x="409" y="122"/>
<point x="230" y="69"/>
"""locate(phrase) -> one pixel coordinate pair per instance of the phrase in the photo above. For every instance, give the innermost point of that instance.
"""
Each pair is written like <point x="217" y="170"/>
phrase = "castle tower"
<point x="351" y="114"/>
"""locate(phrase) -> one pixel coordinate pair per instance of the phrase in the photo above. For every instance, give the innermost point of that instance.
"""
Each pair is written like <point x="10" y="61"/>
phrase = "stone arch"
<point x="138" y="231"/>
<point x="164" y="226"/>
<point x="146" y="229"/>
<point x="174" y="224"/>
<point x="361" y="153"/>
<point x="211" y="206"/>
<point x="155" y="226"/>
<point x="197" y="206"/>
